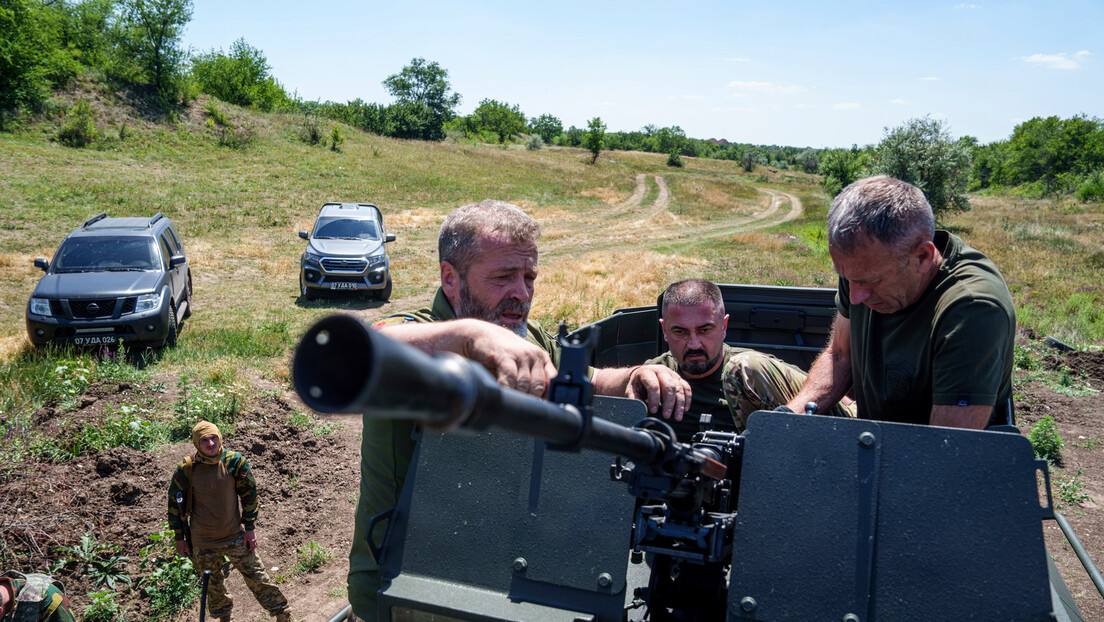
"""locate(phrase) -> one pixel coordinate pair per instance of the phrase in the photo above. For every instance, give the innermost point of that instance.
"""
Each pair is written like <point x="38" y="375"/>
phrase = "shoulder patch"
<point x="393" y="321"/>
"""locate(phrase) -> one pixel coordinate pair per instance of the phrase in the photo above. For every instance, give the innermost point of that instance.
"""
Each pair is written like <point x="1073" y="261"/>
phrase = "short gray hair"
<point x="889" y="210"/>
<point x="692" y="292"/>
<point x="463" y="229"/>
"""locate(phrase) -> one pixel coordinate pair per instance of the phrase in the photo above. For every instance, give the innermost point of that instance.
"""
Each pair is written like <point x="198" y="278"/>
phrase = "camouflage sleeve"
<point x="246" y="488"/>
<point x="57" y="607"/>
<point x="178" y="484"/>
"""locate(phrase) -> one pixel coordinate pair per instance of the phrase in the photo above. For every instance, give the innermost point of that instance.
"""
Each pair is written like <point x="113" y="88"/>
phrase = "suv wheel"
<point x="306" y="292"/>
<point x="170" y="338"/>
<point x="384" y="294"/>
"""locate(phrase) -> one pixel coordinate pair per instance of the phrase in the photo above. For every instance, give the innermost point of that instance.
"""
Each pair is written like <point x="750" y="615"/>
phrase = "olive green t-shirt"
<point x="953" y="346"/>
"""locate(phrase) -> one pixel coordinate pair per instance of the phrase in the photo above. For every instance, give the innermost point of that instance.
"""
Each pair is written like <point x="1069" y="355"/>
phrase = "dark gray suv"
<point x="345" y="252"/>
<point x="113" y="281"/>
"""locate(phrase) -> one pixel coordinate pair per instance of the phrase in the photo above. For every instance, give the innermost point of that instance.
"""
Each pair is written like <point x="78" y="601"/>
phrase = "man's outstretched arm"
<point x="829" y="377"/>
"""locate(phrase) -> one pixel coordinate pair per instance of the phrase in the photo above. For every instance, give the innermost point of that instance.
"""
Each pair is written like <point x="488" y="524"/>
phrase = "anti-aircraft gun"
<point x="799" y="518"/>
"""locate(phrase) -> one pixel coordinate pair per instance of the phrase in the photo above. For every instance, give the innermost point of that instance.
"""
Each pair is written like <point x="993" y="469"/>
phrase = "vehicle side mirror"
<point x="42" y="264"/>
<point x="176" y="261"/>
<point x="390" y="237"/>
<point x="304" y="235"/>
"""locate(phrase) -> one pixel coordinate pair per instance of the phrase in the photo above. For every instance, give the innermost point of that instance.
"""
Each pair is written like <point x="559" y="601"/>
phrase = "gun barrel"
<point x="344" y="366"/>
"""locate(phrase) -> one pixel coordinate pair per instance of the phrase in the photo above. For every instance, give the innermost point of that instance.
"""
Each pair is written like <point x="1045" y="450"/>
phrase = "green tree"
<point x="547" y="126"/>
<point x="596" y="131"/>
<point x="423" y="100"/>
<point x="242" y="77"/>
<point x="499" y="118"/>
<point x="153" y="29"/>
<point x="840" y="167"/>
<point x="922" y="152"/>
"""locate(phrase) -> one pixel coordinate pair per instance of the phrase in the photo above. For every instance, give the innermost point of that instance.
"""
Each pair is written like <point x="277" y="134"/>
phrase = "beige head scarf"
<point x="201" y="429"/>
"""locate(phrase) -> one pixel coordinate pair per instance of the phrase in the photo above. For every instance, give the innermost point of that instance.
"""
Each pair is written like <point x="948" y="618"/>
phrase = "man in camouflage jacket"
<point x="211" y="484"/>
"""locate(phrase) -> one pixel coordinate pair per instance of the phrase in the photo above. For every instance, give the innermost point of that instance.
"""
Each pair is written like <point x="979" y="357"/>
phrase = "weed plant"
<point x="100" y="562"/>
<point x="171" y="584"/>
<point x="312" y="556"/>
<point x="1071" y="490"/>
<point x="1046" y="441"/>
<point x="103" y="608"/>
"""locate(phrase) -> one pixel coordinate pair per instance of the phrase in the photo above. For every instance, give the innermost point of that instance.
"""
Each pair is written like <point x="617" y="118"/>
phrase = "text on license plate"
<point x="88" y="341"/>
<point x="343" y="285"/>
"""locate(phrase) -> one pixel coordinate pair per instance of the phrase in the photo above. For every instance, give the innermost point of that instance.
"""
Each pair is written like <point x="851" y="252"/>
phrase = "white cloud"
<point x="694" y="97"/>
<point x="736" y="110"/>
<point x="846" y="106"/>
<point x="898" y="102"/>
<point x="972" y="7"/>
<point x="1058" y="61"/>
<point x="768" y="87"/>
<point x="928" y="79"/>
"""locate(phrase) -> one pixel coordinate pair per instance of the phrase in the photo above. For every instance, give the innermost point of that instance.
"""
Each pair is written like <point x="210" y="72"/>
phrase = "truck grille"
<point x="92" y="308"/>
<point x="336" y="264"/>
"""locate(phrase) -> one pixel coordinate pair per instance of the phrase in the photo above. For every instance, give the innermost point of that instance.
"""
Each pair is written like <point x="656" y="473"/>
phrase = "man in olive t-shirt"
<point x="926" y="324"/>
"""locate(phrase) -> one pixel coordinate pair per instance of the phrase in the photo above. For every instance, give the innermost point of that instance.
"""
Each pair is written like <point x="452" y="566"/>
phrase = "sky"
<point x="797" y="73"/>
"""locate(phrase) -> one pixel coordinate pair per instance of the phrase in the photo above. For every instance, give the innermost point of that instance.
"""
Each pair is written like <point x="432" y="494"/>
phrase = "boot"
<point x="283" y="616"/>
<point x="228" y="617"/>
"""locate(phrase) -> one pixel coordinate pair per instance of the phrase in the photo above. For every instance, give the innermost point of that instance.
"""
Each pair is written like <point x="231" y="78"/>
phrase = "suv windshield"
<point x="108" y="254"/>
<point x="346" y="229"/>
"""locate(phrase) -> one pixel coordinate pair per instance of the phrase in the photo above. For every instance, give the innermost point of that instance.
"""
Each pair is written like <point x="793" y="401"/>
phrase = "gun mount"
<point x="810" y="518"/>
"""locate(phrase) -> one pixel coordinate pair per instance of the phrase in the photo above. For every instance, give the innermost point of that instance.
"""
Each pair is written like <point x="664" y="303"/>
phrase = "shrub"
<point x="79" y="131"/>
<point x="1093" y="188"/>
<point x="310" y="132"/>
<point x="674" y="159"/>
<point x="215" y="114"/>
<point x="336" y="139"/>
<point x="1045" y="440"/>
<point x="1072" y="490"/>
<point x="534" y="143"/>
<point x="171" y="584"/>
<point x="101" y="562"/>
<point x="235" y="137"/>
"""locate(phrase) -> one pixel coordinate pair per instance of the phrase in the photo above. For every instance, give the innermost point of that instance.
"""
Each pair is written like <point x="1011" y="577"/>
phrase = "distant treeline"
<point x="45" y="44"/>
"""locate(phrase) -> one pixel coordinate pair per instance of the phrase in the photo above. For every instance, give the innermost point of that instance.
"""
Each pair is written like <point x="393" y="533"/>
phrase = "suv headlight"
<point x="147" y="302"/>
<point x="310" y="257"/>
<point x="40" y="306"/>
<point x="375" y="260"/>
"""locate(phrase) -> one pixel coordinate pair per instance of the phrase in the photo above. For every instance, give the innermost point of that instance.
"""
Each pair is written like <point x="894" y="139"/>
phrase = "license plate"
<point x="91" y="341"/>
<point x="343" y="285"/>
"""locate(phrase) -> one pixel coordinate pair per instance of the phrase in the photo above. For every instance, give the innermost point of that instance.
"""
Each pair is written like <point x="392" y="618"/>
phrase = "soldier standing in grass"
<point x="211" y="483"/>
<point x="926" y="325"/>
<point x="32" y="598"/>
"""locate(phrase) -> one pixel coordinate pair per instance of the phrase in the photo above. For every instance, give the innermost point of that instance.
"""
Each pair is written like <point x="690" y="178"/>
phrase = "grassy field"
<point x="239" y="211"/>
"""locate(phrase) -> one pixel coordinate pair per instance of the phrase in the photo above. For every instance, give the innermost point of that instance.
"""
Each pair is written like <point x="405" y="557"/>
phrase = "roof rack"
<point x="155" y="218"/>
<point x="95" y="218"/>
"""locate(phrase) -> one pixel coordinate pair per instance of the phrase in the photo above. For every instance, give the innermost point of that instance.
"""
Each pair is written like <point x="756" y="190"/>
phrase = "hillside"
<point x="615" y="233"/>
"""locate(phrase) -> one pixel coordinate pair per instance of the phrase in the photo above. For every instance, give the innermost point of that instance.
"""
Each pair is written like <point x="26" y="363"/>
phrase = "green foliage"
<point x="674" y="159"/>
<point x="596" y="130"/>
<point x="152" y="34"/>
<point x="310" y="131"/>
<point x="103" y="608"/>
<point x="840" y="168"/>
<point x="312" y="556"/>
<point x="214" y="402"/>
<point x="242" y="77"/>
<point x="171" y="584"/>
<point x="1024" y="358"/>
<point x="100" y="562"/>
<point x="534" y="143"/>
<point x="923" y="153"/>
<point x="79" y="130"/>
<point x="497" y="118"/>
<point x="1071" y="490"/>
<point x="1045" y="440"/>
<point x="336" y="139"/>
<point x="423" y="100"/>
<point x="547" y="126"/>
<point x="1092" y="189"/>
<point x="215" y="115"/>
<point x="1044" y="157"/>
<point x="239" y="137"/>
